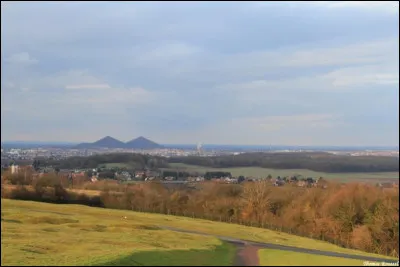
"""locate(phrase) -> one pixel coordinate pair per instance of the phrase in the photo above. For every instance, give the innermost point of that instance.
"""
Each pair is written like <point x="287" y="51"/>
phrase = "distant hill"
<point x="106" y="142"/>
<point x="142" y="143"/>
<point x="110" y="142"/>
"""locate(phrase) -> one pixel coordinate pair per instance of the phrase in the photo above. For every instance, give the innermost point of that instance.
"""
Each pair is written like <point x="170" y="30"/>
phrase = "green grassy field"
<point x="45" y="234"/>
<point x="35" y="233"/>
<point x="272" y="257"/>
<point x="264" y="172"/>
<point x="118" y="165"/>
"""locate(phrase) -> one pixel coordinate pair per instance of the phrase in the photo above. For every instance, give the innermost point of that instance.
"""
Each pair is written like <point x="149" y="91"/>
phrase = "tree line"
<point x="183" y="174"/>
<point x="359" y="216"/>
<point x="136" y="161"/>
<point x="316" y="161"/>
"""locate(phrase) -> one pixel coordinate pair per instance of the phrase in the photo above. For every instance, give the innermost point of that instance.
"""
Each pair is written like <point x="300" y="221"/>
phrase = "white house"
<point x="14" y="169"/>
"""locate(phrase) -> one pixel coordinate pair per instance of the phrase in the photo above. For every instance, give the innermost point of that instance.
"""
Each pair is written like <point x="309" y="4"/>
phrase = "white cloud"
<point x="274" y="123"/>
<point x="9" y="85"/>
<point x="169" y="70"/>
<point x="68" y="80"/>
<point x="391" y="6"/>
<point x="356" y="53"/>
<point x="166" y="56"/>
<point x="302" y="129"/>
<point x="169" y="51"/>
<point x="376" y="6"/>
<point x="108" y="101"/>
<point x="115" y="97"/>
<point x="73" y="91"/>
<point x="355" y="77"/>
<point x="22" y="58"/>
<point x="283" y="62"/>
<point x="87" y="86"/>
<point x="340" y="79"/>
<point x="73" y="78"/>
<point x="359" y="53"/>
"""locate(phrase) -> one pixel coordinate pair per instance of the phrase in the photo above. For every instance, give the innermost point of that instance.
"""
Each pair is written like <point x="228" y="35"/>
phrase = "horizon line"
<point x="203" y="144"/>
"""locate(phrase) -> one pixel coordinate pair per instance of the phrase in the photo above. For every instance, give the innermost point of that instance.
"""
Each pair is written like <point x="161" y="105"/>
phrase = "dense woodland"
<point x="357" y="216"/>
<point x="323" y="162"/>
<point x="136" y="161"/>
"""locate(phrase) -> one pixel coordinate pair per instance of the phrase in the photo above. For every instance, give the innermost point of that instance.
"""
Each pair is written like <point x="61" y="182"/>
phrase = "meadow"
<point x="126" y="165"/>
<point x="273" y="257"/>
<point x="48" y="234"/>
<point x="264" y="172"/>
<point x="357" y="216"/>
<point x="34" y="233"/>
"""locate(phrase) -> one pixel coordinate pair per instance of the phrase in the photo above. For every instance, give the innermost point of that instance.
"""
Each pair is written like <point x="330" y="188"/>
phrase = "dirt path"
<point x="254" y="246"/>
<point x="247" y="255"/>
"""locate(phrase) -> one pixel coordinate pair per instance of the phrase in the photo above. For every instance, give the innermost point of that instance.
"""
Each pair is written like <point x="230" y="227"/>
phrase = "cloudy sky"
<point x="289" y="73"/>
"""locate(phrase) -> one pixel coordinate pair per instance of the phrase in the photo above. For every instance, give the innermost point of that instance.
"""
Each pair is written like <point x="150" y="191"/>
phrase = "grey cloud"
<point x="187" y="67"/>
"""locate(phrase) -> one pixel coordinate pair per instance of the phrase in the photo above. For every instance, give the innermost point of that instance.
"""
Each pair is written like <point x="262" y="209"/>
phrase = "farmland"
<point x="260" y="163"/>
<point x="118" y="165"/>
<point x="264" y="172"/>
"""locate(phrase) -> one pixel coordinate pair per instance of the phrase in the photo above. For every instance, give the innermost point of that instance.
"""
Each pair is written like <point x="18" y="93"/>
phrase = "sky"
<point x="250" y="73"/>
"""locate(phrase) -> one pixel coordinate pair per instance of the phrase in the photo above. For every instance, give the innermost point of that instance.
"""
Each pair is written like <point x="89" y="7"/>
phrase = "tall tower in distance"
<point x="199" y="149"/>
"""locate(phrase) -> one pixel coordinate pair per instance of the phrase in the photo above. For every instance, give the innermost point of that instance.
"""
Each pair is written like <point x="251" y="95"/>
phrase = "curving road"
<point x="247" y="247"/>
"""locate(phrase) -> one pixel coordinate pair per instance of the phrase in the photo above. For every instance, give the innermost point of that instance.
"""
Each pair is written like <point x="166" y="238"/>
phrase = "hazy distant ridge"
<point x="142" y="143"/>
<point x="110" y="142"/>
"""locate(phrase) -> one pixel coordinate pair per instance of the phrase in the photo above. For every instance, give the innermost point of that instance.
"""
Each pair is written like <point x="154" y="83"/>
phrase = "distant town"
<point x="13" y="157"/>
<point x="61" y="153"/>
<point x="142" y="145"/>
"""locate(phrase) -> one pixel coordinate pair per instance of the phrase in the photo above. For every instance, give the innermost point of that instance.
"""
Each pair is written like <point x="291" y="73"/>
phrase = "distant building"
<point x="199" y="179"/>
<point x="14" y="169"/>
<point x="279" y="183"/>
<point x="233" y="180"/>
<point x="78" y="174"/>
<point x="301" y="183"/>
<point x="139" y="174"/>
<point x="169" y="178"/>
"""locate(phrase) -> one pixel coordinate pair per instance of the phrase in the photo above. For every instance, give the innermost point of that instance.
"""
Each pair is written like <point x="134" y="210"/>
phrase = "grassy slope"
<point x="263" y="172"/>
<point x="272" y="257"/>
<point x="221" y="255"/>
<point x="101" y="226"/>
<point x="45" y="234"/>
